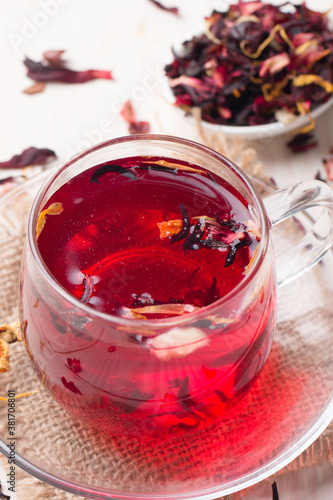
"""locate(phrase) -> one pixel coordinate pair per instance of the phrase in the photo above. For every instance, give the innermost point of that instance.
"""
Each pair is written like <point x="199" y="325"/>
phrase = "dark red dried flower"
<point x="208" y="232"/>
<point x="134" y="126"/>
<point x="74" y="365"/>
<point x="302" y="142"/>
<point x="28" y="157"/>
<point x="70" y="386"/>
<point x="53" y="70"/>
<point x="173" y="10"/>
<point x="139" y="128"/>
<point x="253" y="60"/>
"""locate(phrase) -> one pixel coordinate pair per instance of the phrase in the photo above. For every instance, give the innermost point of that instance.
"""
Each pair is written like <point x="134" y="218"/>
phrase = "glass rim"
<point x="173" y="321"/>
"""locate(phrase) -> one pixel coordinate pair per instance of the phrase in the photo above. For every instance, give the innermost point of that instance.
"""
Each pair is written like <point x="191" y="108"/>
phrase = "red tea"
<point x="148" y="238"/>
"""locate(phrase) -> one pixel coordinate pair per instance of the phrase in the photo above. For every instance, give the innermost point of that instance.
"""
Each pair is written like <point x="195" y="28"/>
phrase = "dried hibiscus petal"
<point x="133" y="401"/>
<point x="51" y="70"/>
<point x="211" y="233"/>
<point x="105" y="169"/>
<point x="185" y="400"/>
<point x="246" y="241"/>
<point x="274" y="64"/>
<point x="186" y="226"/>
<point x="194" y="237"/>
<point x="134" y="126"/>
<point x="70" y="386"/>
<point x="74" y="365"/>
<point x="6" y="180"/>
<point x="175" y="383"/>
<point x="173" y="10"/>
<point x="139" y="127"/>
<point x="28" y="157"/>
<point x="275" y="491"/>
<point x="302" y="142"/>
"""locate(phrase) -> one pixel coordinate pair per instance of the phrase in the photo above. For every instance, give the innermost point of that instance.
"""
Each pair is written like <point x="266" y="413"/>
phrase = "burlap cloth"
<point x="296" y="381"/>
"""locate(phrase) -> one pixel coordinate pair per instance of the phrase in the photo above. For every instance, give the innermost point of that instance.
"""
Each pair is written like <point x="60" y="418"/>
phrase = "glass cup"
<point x="164" y="376"/>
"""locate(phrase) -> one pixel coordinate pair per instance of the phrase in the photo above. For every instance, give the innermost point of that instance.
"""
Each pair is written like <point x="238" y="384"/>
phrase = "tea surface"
<point x="145" y="231"/>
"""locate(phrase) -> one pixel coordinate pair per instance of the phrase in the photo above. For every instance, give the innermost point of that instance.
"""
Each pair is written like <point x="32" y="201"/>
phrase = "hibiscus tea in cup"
<point x="147" y="299"/>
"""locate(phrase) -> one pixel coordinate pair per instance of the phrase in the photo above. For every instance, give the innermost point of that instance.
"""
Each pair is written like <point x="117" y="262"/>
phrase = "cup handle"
<point x="317" y="241"/>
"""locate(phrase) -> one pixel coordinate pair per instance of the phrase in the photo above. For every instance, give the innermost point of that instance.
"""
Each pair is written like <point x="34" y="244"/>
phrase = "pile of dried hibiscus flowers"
<point x="256" y="63"/>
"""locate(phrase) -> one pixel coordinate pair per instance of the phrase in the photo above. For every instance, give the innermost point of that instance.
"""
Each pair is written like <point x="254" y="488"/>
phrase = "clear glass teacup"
<point x="174" y="371"/>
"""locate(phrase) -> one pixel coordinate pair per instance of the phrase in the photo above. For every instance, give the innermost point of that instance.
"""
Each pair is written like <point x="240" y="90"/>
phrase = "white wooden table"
<point x="133" y="39"/>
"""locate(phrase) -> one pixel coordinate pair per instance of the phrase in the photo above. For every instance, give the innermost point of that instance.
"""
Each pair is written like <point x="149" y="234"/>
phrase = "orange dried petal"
<point x="258" y="81"/>
<point x="24" y="327"/>
<point x="126" y="312"/>
<point x="44" y="376"/>
<point x="304" y="109"/>
<point x="304" y="47"/>
<point x="22" y="395"/>
<point x="36" y="88"/>
<point x="176" y="309"/>
<point x="301" y="80"/>
<point x="53" y="209"/>
<point x="277" y="29"/>
<point x="4" y="356"/>
<point x="169" y="228"/>
<point x="206" y="218"/>
<point x="270" y="92"/>
<point x="175" y="166"/>
<point x="209" y="21"/>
